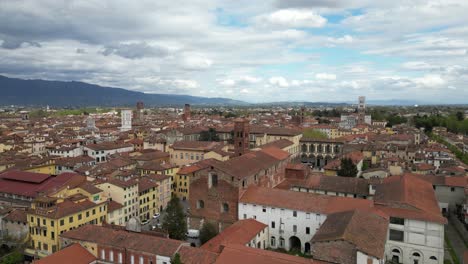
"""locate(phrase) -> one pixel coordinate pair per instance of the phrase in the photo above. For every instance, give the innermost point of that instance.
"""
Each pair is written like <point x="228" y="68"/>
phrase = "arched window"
<point x="304" y="148"/>
<point x="225" y="208"/>
<point x="281" y="242"/>
<point x="200" y="204"/>
<point x="273" y="241"/>
<point x="433" y="258"/>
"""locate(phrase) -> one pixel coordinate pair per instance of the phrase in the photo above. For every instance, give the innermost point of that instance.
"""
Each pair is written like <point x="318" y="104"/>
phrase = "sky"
<point x="251" y="50"/>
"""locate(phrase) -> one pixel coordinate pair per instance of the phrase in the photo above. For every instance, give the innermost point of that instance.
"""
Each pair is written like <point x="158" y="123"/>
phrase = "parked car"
<point x="156" y="215"/>
<point x="145" y="222"/>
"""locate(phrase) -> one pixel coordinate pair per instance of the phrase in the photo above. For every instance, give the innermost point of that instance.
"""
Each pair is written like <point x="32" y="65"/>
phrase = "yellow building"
<point x="49" y="217"/>
<point x="148" y="196"/>
<point x="188" y="152"/>
<point x="45" y="166"/>
<point x="124" y="193"/>
<point x="181" y="184"/>
<point x="164" y="188"/>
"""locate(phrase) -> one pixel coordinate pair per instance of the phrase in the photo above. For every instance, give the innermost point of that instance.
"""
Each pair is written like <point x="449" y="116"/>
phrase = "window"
<point x="307" y="216"/>
<point x="245" y="216"/>
<point x="111" y="256"/>
<point x="200" y="204"/>
<point x="272" y="224"/>
<point x="132" y="259"/>
<point x="120" y="257"/>
<point x="452" y="189"/>
<point x="264" y="209"/>
<point x="62" y="222"/>
<point x="225" y="208"/>
<point x="295" y="213"/>
<point x="273" y="241"/>
<point x="141" y="260"/>
<point x="103" y="254"/>
<point x="43" y="221"/>
<point x="281" y="242"/>
<point x="213" y="180"/>
<point x="308" y="230"/>
<point x="52" y="235"/>
<point x="52" y="223"/>
<point x="397" y="221"/>
<point x="294" y="228"/>
<point x="70" y="219"/>
<point x="94" y="211"/>
<point x="396" y="235"/>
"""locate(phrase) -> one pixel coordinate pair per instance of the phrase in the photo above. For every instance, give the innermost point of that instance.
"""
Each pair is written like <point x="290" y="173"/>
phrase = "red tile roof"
<point x="235" y="254"/>
<point x="241" y="232"/>
<point x="307" y="202"/>
<point x="31" y="189"/>
<point x="74" y="254"/>
<point x="24" y="176"/>
<point x="408" y="196"/>
<point x="369" y="238"/>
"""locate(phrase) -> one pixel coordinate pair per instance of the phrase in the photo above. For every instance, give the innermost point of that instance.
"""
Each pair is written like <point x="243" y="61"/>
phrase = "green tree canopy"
<point x="313" y="133"/>
<point x="207" y="232"/>
<point x="347" y="168"/>
<point x="174" y="221"/>
<point x="210" y="135"/>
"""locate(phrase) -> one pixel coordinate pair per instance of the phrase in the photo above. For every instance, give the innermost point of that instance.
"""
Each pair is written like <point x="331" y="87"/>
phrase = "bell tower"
<point x="241" y="136"/>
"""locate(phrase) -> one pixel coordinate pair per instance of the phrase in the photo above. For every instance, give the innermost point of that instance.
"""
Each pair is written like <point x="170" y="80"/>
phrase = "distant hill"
<point x="77" y="94"/>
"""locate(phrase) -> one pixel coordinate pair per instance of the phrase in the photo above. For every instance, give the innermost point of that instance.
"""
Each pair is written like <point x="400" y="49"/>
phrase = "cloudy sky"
<point x="253" y="50"/>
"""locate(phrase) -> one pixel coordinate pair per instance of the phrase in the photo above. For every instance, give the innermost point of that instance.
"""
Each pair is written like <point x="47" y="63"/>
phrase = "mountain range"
<point x="22" y="92"/>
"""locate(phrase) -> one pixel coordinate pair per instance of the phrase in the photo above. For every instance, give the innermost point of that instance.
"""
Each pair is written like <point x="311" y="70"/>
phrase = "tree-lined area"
<point x="455" y="122"/>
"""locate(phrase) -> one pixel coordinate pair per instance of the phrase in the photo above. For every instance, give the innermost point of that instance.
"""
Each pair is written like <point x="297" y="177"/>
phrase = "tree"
<point x="13" y="258"/>
<point x="210" y="135"/>
<point x="207" y="232"/>
<point x="176" y="259"/>
<point x="347" y="168"/>
<point x="460" y="116"/>
<point x="313" y="133"/>
<point x="174" y="221"/>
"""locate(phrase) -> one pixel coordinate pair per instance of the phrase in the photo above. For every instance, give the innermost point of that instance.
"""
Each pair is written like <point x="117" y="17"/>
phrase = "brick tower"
<point x="241" y="136"/>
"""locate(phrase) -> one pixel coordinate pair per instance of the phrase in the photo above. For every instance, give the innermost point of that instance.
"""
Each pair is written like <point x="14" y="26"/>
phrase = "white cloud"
<point x="279" y="81"/>
<point x="430" y="80"/>
<point x="346" y="39"/>
<point x="227" y="83"/>
<point x="418" y="65"/>
<point x="325" y="76"/>
<point x="292" y="18"/>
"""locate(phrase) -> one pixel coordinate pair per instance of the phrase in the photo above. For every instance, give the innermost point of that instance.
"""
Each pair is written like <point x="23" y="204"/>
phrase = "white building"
<point x="293" y="217"/>
<point x="66" y="151"/>
<point x="101" y="151"/>
<point x="126" y="119"/>
<point x="416" y="229"/>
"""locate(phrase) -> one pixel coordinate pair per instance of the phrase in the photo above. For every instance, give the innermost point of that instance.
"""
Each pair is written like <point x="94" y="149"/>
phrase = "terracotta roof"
<point x="241" y="232"/>
<point x="24" y="176"/>
<point x="408" y="196"/>
<point x="74" y="254"/>
<point x="32" y="189"/>
<point x="17" y="215"/>
<point x="369" y="238"/>
<point x="252" y="162"/>
<point x="235" y="254"/>
<point x="108" y="146"/>
<point x="280" y="143"/>
<point x="107" y="236"/>
<point x="334" y="184"/>
<point x="145" y="184"/>
<point x="196" y="145"/>
<point x="191" y="255"/>
<point x="65" y="208"/>
<point x="307" y="202"/>
<point x="113" y="205"/>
